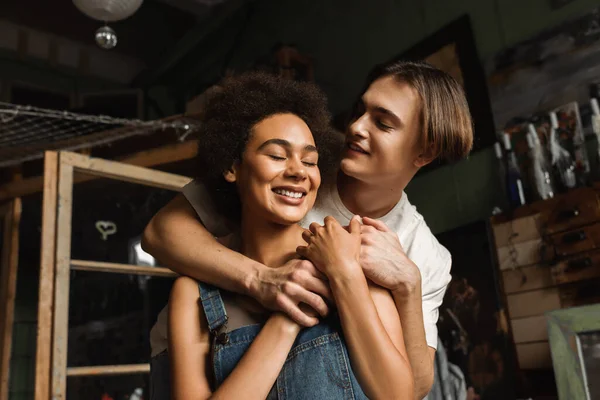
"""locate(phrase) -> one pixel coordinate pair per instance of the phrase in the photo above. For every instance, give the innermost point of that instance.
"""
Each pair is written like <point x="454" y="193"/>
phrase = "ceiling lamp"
<point x="107" y="11"/>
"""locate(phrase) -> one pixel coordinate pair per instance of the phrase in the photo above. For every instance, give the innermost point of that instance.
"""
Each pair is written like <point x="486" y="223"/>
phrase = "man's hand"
<point x="383" y="259"/>
<point x="290" y="287"/>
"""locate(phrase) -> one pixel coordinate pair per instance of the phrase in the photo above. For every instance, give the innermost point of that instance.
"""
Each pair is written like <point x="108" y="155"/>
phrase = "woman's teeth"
<point x="295" y="195"/>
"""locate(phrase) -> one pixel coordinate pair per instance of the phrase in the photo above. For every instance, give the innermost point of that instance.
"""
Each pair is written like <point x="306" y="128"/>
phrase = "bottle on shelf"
<point x="514" y="181"/>
<point x="137" y="394"/>
<point x="501" y="176"/>
<point x="596" y="125"/>
<point x="562" y="162"/>
<point x="541" y="181"/>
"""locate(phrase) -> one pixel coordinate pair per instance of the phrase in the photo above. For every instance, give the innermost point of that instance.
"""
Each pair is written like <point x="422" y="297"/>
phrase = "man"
<point x="409" y="114"/>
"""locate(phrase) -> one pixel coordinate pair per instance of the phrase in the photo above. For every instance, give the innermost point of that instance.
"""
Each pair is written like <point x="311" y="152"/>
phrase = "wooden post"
<point x="8" y="281"/>
<point x="56" y="264"/>
<point x="62" y="279"/>
<point x="43" y="354"/>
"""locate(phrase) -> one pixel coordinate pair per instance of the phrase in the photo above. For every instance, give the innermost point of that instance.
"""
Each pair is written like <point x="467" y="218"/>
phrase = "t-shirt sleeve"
<point x="197" y="195"/>
<point x="434" y="288"/>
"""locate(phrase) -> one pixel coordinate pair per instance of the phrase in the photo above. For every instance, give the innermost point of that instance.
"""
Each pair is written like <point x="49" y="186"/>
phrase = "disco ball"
<point x="106" y="37"/>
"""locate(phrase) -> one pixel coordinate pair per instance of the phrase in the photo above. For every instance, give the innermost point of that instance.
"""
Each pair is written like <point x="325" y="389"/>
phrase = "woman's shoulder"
<point x="185" y="310"/>
<point x="184" y="288"/>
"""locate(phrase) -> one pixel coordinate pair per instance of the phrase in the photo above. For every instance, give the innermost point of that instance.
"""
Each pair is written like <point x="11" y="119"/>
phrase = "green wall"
<point x="40" y="73"/>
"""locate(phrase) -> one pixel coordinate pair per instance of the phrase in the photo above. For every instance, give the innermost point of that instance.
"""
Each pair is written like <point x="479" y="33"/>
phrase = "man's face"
<point x="382" y="141"/>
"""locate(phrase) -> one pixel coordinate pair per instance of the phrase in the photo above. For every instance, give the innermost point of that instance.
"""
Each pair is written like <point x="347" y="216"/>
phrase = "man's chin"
<point x="350" y="168"/>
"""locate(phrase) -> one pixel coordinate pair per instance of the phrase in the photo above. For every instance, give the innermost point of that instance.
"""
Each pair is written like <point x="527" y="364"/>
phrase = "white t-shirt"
<point x="420" y="245"/>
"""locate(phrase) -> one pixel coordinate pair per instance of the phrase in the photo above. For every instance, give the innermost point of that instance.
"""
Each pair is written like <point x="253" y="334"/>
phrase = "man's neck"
<point x="366" y="199"/>
<point x="268" y="243"/>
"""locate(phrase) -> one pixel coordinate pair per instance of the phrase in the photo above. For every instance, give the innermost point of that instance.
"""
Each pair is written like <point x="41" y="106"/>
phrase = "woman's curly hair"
<point x="235" y="107"/>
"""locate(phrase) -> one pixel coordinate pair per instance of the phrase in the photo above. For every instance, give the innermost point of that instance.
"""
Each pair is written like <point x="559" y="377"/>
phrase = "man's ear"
<point x="231" y="174"/>
<point x="424" y="158"/>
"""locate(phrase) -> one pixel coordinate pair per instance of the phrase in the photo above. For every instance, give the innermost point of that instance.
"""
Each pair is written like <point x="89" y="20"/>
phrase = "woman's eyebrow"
<point x="286" y="144"/>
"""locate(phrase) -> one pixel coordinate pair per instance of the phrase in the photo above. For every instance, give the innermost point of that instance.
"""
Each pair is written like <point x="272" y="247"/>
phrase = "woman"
<point x="258" y="153"/>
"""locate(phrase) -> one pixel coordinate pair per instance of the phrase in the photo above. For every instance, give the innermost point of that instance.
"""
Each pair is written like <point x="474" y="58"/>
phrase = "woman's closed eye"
<point x="308" y="163"/>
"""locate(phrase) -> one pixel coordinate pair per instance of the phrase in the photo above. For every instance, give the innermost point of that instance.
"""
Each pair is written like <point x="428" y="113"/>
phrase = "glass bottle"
<point x="514" y="182"/>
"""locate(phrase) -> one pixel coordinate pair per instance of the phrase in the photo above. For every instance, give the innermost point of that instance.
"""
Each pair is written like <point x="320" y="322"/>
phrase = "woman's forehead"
<point x="288" y="127"/>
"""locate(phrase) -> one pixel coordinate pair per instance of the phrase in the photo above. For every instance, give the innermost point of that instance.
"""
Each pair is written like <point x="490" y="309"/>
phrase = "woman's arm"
<point x="178" y="240"/>
<point x="189" y="351"/>
<point x="384" y="261"/>
<point x="369" y="317"/>
<point x="374" y="335"/>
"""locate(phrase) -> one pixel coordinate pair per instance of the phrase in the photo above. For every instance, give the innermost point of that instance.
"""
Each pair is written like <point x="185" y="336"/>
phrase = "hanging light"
<point x="107" y="11"/>
<point x="106" y="37"/>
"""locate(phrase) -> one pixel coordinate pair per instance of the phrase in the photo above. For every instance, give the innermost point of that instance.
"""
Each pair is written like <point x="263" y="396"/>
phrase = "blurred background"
<point x="120" y="79"/>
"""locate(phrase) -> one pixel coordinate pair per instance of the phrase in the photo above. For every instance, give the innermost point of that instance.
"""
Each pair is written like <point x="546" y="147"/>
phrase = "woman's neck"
<point x="268" y="243"/>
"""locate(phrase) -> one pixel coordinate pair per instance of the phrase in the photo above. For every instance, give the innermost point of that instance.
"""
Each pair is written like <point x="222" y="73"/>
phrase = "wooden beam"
<point x="147" y="158"/>
<point x="8" y="281"/>
<point x="62" y="279"/>
<point x="98" y="266"/>
<point x="109" y="370"/>
<point x="123" y="172"/>
<point x="46" y="290"/>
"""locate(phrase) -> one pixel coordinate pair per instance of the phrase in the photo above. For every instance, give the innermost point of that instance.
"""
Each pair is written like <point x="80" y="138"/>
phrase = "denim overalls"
<point x="317" y="367"/>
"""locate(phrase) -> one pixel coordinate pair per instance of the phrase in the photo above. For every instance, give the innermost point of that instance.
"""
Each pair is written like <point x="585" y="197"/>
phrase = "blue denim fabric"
<point x="317" y="367"/>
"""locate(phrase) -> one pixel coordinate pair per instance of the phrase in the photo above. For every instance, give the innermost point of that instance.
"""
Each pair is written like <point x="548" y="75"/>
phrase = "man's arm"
<point x="176" y="238"/>
<point x="409" y="304"/>
<point x="179" y="241"/>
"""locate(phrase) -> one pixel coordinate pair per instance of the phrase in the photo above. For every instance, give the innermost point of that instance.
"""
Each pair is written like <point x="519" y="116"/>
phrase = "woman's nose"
<point x="296" y="169"/>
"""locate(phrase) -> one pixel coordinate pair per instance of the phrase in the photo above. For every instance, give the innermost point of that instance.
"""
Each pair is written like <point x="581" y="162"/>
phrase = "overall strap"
<point x="213" y="306"/>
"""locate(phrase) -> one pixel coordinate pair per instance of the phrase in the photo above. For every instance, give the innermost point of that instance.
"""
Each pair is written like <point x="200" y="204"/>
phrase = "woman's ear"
<point x="231" y="174"/>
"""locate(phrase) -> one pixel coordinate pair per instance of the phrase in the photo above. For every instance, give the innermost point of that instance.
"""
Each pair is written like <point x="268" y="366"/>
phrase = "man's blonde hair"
<point x="445" y="118"/>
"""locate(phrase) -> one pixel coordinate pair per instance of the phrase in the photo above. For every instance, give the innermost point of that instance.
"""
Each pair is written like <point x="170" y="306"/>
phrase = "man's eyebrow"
<point x="389" y="113"/>
<point x="382" y="110"/>
<point x="286" y="144"/>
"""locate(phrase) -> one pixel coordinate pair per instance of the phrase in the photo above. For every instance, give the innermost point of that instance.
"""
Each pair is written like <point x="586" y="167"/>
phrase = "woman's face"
<point x="278" y="177"/>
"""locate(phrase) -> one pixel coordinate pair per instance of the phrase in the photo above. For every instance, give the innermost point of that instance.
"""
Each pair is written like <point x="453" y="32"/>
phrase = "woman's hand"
<point x="334" y="250"/>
